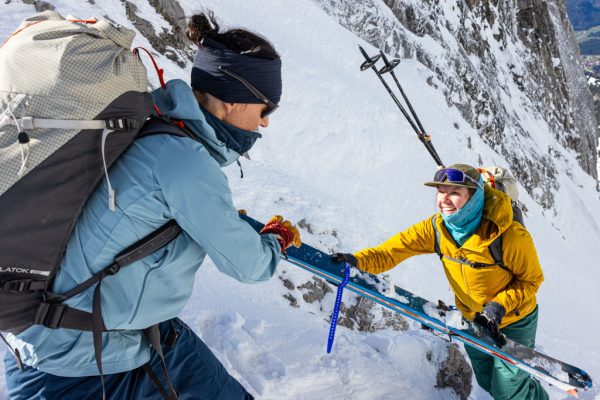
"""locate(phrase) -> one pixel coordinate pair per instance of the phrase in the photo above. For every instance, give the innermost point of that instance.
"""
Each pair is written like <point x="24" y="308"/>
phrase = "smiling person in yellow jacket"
<point x="501" y="298"/>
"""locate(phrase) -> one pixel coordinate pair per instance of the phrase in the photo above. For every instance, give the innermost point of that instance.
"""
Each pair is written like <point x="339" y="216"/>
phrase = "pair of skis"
<point x="567" y="377"/>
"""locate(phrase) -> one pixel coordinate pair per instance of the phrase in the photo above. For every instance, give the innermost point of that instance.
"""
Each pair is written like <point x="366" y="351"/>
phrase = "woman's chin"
<point x="448" y="212"/>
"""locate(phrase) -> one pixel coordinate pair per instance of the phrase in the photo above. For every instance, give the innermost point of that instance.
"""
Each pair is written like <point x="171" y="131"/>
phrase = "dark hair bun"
<point x="201" y="26"/>
<point x="239" y="40"/>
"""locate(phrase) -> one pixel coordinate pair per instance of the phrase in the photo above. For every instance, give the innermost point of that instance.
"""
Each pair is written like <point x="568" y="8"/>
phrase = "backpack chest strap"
<point x="495" y="249"/>
<point x="471" y="263"/>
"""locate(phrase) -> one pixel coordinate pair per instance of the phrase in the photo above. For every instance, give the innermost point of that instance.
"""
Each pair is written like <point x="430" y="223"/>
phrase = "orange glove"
<point x="286" y="233"/>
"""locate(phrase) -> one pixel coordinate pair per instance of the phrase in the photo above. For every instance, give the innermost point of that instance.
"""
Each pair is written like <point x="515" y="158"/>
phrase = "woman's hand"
<point x="345" y="257"/>
<point x="287" y="234"/>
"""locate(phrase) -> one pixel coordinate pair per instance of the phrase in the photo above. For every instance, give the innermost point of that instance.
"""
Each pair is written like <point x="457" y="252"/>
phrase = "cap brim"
<point x="436" y="184"/>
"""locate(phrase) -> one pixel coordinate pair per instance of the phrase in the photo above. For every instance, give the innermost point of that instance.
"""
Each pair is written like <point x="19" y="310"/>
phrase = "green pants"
<point x="502" y="380"/>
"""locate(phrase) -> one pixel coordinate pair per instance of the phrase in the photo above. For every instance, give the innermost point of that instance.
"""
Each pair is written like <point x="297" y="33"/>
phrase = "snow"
<point x="339" y="155"/>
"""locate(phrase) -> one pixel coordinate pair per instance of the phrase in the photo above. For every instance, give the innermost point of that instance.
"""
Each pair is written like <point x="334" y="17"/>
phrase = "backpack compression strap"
<point x="108" y="126"/>
<point x="495" y="249"/>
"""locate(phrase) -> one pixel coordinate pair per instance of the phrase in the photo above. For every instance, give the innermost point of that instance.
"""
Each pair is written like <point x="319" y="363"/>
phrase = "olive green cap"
<point x="467" y="169"/>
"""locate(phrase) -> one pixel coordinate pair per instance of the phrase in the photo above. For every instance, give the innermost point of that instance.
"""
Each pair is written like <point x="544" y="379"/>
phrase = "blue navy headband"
<point x="263" y="73"/>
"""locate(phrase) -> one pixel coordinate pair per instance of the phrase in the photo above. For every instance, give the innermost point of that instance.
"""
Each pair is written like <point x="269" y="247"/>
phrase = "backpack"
<point x="73" y="97"/>
<point x="501" y="179"/>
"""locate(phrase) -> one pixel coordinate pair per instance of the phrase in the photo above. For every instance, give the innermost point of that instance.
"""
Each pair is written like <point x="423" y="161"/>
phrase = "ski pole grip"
<point x="336" y="308"/>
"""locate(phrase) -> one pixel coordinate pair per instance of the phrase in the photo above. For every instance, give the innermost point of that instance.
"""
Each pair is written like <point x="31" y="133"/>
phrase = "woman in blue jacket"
<point x="235" y="86"/>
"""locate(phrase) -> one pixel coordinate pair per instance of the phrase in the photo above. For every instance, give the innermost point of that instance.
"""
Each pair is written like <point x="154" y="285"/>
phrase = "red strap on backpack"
<point x="159" y="71"/>
<point x="491" y="182"/>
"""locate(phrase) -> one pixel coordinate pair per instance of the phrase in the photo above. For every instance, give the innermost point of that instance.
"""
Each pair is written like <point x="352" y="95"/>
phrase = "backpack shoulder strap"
<point x="517" y="213"/>
<point x="436" y="239"/>
<point x="495" y="249"/>
<point x="162" y="125"/>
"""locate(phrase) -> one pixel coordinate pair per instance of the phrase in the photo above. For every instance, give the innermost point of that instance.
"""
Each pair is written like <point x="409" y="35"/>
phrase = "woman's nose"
<point x="264" y="122"/>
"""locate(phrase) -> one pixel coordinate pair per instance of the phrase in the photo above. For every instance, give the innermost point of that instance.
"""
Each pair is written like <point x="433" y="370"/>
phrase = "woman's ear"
<point x="228" y="107"/>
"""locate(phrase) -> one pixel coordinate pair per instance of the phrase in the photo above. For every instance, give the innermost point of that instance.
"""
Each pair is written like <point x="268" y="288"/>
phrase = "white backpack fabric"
<point x="72" y="98"/>
<point x="501" y="179"/>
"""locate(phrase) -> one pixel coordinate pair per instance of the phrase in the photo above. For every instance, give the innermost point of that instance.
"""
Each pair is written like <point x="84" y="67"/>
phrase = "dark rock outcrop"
<point x="456" y="373"/>
<point x="170" y="42"/>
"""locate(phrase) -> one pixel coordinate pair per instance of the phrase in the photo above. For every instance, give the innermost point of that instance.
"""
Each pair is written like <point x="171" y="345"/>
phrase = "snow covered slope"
<point x="339" y="156"/>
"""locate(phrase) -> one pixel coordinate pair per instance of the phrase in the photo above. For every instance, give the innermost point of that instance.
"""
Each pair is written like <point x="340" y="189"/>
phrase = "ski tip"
<point x="573" y="392"/>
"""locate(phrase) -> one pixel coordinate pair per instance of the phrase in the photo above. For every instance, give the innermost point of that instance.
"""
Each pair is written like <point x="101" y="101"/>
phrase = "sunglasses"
<point x="271" y="106"/>
<point x="453" y="176"/>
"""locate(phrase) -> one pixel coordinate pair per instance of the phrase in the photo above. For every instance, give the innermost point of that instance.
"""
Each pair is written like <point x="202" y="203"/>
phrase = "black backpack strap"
<point x="495" y="249"/>
<point x="153" y="335"/>
<point x="142" y="248"/>
<point x="156" y="382"/>
<point x="162" y="125"/>
<point x="59" y="315"/>
<point x="517" y="213"/>
<point x="436" y="239"/>
<point x="14" y="352"/>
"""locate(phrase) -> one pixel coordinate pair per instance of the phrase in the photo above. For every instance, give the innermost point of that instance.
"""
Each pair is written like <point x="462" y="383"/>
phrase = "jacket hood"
<point x="178" y="101"/>
<point x="498" y="210"/>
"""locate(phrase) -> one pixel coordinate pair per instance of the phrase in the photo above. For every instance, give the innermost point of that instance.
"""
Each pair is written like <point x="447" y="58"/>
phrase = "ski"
<point x="441" y="320"/>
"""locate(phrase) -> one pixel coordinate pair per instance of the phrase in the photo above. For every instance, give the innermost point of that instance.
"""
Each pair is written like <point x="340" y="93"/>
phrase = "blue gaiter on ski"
<point x="463" y="223"/>
<point x="236" y="139"/>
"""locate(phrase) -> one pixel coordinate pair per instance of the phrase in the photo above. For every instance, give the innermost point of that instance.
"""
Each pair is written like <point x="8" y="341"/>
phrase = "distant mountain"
<point x="591" y="44"/>
<point x="584" y="14"/>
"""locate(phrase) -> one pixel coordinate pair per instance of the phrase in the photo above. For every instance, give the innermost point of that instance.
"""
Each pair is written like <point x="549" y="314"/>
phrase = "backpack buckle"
<point x="113" y="269"/>
<point x="17" y="285"/>
<point x="24" y="285"/>
<point x="50" y="315"/>
<point x="121" y="124"/>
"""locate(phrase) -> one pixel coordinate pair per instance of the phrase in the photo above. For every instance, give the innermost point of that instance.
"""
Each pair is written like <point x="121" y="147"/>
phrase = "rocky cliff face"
<point x="169" y="40"/>
<point x="502" y="63"/>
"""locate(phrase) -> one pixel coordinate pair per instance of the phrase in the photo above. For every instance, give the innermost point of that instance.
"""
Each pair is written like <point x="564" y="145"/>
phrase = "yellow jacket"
<point x="473" y="287"/>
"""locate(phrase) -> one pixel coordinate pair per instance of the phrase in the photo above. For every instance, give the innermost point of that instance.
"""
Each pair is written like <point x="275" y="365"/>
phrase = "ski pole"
<point x="389" y="67"/>
<point x="370" y="63"/>
<point x="336" y="308"/>
<point x="423" y="137"/>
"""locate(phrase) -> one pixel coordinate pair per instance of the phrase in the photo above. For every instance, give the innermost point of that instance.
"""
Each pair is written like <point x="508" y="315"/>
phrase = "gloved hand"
<point x="287" y="234"/>
<point x="345" y="257"/>
<point x="490" y="318"/>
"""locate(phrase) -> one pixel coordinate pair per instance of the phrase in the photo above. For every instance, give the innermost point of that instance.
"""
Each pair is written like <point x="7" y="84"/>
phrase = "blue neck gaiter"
<point x="463" y="223"/>
<point x="236" y="139"/>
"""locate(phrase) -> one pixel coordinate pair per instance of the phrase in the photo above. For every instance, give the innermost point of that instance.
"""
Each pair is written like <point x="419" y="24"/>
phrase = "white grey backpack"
<point x="73" y="97"/>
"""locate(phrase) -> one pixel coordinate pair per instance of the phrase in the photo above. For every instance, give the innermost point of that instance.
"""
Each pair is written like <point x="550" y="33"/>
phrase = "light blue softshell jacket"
<point x="159" y="178"/>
